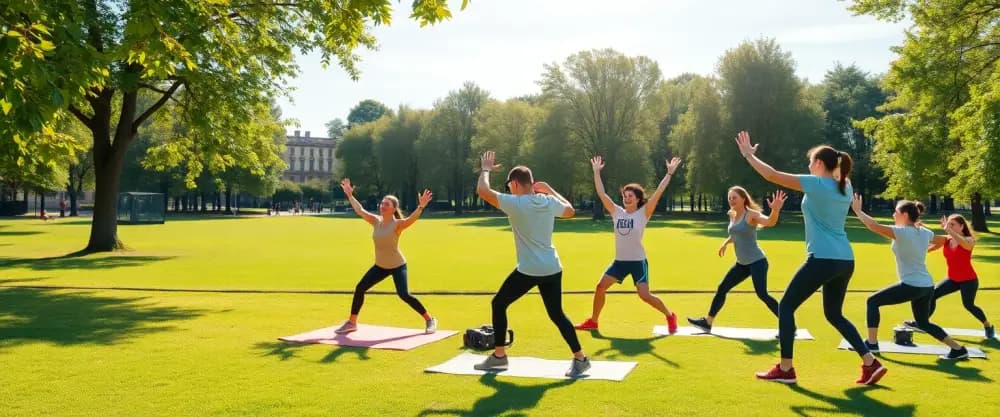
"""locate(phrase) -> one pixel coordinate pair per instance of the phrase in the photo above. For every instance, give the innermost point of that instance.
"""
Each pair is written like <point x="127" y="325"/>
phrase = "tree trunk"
<point x="71" y="192"/>
<point x="934" y="204"/>
<point x="691" y="200"/>
<point x="204" y="203"/>
<point x="104" y="228"/>
<point x="978" y="214"/>
<point x="229" y="198"/>
<point x="598" y="208"/>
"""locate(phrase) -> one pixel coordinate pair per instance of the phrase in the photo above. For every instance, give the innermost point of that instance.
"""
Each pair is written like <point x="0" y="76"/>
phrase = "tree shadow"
<point x="622" y="347"/>
<point x="78" y="260"/>
<point x="29" y="315"/>
<point x="947" y="367"/>
<point x="509" y="399"/>
<point x="759" y="347"/>
<point x="288" y="350"/>
<point x="19" y="232"/>
<point x="856" y="402"/>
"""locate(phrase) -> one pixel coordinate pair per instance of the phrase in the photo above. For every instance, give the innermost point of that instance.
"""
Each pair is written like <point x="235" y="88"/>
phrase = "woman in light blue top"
<point x="909" y="244"/>
<point x="745" y="217"/>
<point x="829" y="262"/>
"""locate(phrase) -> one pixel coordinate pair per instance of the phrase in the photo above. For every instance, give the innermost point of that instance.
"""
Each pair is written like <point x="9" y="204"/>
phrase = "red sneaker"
<point x="589" y="324"/>
<point x="777" y="375"/>
<point x="872" y="373"/>
<point x="672" y="323"/>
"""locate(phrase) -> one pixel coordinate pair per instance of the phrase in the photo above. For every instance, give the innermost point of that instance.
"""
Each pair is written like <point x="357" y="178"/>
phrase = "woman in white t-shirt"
<point x="630" y="257"/>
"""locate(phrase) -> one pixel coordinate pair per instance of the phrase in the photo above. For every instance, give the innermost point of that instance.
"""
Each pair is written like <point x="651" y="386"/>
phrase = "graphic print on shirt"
<point x="624" y="226"/>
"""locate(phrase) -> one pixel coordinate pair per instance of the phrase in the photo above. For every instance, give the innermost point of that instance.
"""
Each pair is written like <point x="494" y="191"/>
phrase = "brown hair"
<point x="397" y="214"/>
<point x="639" y="192"/>
<point x="748" y="201"/>
<point x="832" y="159"/>
<point x="961" y="220"/>
<point x="912" y="209"/>
<point x="521" y="175"/>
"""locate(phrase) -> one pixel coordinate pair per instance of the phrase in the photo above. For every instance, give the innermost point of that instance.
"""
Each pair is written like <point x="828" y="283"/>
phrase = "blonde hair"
<point x="748" y="201"/>
<point x="397" y="214"/>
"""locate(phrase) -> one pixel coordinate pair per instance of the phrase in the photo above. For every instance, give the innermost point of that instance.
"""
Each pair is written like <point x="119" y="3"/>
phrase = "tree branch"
<point x="156" y="106"/>
<point x="80" y="116"/>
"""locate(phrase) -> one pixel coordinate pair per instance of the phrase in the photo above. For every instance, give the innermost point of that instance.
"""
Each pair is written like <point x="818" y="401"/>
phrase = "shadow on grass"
<point x="79" y="261"/>
<point x="29" y="315"/>
<point x="630" y="348"/>
<point x="855" y="402"/>
<point x="509" y="399"/>
<point x="951" y="368"/>
<point x="760" y="347"/>
<point x="288" y="350"/>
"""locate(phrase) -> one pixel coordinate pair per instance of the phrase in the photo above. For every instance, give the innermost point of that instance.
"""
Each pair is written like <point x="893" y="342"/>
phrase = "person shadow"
<point x="630" y="348"/>
<point x="947" y="367"/>
<point x="288" y="350"/>
<point x="856" y="402"/>
<point x="509" y="399"/>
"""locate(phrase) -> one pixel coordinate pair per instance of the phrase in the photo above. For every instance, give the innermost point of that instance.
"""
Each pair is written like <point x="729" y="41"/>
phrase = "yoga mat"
<point x="369" y="336"/>
<point x="731" y="333"/>
<point x="956" y="332"/>
<point x="534" y="368"/>
<point x="890" y="347"/>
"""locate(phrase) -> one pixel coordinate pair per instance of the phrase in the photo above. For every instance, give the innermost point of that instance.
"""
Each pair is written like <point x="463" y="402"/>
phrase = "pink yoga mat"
<point x="378" y="337"/>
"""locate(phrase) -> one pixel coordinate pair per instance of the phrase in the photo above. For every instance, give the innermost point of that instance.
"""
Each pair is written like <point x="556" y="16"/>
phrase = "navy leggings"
<point x="968" y="289"/>
<point x="832" y="275"/>
<point x="920" y="303"/>
<point x="739" y="273"/>
<point x="550" y="287"/>
<point x="374" y="276"/>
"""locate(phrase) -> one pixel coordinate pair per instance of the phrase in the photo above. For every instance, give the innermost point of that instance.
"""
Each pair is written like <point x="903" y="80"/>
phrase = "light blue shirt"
<point x="824" y="210"/>
<point x="532" y="218"/>
<point x="910" y="248"/>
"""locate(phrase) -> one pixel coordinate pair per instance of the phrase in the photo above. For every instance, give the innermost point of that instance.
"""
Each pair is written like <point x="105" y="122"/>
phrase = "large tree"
<point x="699" y="138"/>
<point x="228" y="56"/>
<point x="609" y="96"/>
<point x="365" y="111"/>
<point x="942" y="127"/>
<point x="395" y="152"/>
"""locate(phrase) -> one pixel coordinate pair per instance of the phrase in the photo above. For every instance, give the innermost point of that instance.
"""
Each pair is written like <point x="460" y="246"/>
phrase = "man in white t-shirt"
<point x="531" y="208"/>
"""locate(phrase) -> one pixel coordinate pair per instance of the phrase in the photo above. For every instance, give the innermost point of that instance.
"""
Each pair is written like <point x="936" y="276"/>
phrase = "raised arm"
<point x="349" y="191"/>
<point x="966" y="242"/>
<point x="783" y="179"/>
<point x="776" y="201"/>
<point x="422" y="202"/>
<point x="544" y="188"/>
<point x="597" y="163"/>
<point x="869" y="222"/>
<point x="655" y="198"/>
<point x="487" y="164"/>
<point x="722" y="249"/>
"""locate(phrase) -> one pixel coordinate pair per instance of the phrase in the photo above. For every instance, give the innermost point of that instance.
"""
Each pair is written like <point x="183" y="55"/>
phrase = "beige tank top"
<point x="387" y="254"/>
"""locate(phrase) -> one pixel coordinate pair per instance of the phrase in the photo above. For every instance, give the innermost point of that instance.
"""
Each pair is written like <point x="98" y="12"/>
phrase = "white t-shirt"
<point x="629" y="228"/>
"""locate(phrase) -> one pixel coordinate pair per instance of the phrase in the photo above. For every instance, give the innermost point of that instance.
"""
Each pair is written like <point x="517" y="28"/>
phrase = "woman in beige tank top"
<point x="388" y="225"/>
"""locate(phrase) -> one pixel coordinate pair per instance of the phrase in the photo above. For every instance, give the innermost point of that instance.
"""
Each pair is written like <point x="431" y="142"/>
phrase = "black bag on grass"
<point x="482" y="338"/>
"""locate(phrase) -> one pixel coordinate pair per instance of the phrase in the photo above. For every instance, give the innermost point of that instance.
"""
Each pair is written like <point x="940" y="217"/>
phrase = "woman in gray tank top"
<point x="744" y="218"/>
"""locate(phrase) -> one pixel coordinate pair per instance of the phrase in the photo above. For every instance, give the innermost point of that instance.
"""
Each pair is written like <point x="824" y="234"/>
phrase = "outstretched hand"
<point x="424" y="198"/>
<point x="856" y="203"/>
<point x="487" y="162"/>
<point x="597" y="163"/>
<point x="777" y="200"/>
<point x="743" y="142"/>
<point x="346" y="185"/>
<point x="672" y="165"/>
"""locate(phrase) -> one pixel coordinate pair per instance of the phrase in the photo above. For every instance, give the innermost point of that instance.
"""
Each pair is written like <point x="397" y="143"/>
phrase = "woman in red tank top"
<point x="957" y="249"/>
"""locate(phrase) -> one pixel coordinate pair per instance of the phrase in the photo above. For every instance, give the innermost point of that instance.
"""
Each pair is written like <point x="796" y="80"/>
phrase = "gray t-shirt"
<point x="910" y="248"/>
<point x="532" y="217"/>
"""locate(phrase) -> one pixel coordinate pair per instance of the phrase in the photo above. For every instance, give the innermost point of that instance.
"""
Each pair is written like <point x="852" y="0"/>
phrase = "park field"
<point x="185" y="323"/>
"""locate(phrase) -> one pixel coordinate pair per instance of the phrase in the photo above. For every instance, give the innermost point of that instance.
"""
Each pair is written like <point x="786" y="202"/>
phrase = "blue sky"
<point x="502" y="45"/>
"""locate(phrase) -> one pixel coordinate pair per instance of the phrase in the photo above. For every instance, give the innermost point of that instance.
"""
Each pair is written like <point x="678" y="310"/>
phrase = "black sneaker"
<point x="991" y="332"/>
<point x="701" y="323"/>
<point x="956" y="354"/>
<point x="872" y="347"/>
<point x="912" y="324"/>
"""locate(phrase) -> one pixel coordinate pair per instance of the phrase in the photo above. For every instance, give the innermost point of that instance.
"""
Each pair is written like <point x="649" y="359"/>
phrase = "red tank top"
<point x="959" y="262"/>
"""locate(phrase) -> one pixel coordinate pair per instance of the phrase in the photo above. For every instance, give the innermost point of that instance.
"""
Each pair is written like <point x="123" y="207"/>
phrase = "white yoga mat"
<point x="534" y="368"/>
<point x="731" y="333"/>
<point x="957" y="332"/>
<point x="890" y="347"/>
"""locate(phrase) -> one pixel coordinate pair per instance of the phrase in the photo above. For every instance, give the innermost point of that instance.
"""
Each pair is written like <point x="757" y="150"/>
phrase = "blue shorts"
<point x="639" y="270"/>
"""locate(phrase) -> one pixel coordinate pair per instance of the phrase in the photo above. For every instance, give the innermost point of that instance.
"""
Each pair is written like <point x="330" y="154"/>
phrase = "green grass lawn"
<point x="108" y="352"/>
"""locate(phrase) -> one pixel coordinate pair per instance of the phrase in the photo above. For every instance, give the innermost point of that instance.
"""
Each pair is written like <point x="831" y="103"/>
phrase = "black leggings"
<point x="550" y="287"/>
<point x="737" y="274"/>
<point x="968" y="289"/>
<point x="920" y="302"/>
<point x="832" y="275"/>
<point x="374" y="276"/>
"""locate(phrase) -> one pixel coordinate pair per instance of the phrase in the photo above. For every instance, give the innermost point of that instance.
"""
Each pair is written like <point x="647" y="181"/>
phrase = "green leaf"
<point x="5" y="106"/>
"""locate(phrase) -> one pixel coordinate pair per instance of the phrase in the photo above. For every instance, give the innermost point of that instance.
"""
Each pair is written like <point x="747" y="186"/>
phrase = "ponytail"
<point x="397" y="213"/>
<point x="846" y="163"/>
<point x="833" y="159"/>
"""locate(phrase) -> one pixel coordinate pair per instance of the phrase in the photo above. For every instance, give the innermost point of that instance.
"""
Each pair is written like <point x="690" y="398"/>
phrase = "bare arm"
<point x="545" y="188"/>
<point x="783" y="179"/>
<point x="722" y="249"/>
<point x="655" y="198"/>
<point x="597" y="163"/>
<point x="364" y="214"/>
<point x="776" y="201"/>
<point x="966" y="242"/>
<point x="483" y="187"/>
<point x="936" y="243"/>
<point x="422" y="201"/>
<point x="870" y="223"/>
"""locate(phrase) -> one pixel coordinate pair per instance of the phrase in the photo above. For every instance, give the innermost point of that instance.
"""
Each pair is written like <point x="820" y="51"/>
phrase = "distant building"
<point x="309" y="158"/>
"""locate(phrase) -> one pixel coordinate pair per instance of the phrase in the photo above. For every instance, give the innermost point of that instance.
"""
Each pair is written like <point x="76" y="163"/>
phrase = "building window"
<point x="311" y="165"/>
<point x="310" y="152"/>
<point x="329" y="165"/>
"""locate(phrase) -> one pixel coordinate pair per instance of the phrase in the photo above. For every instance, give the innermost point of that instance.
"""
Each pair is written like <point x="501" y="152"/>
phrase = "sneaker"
<point x="347" y="327"/>
<point x="701" y="323"/>
<point x="588" y="324"/>
<point x="777" y="375"/>
<point x="578" y="367"/>
<point x="432" y="325"/>
<point x="872" y="373"/>
<point x="872" y="347"/>
<point x="912" y="324"/>
<point x="492" y="363"/>
<point x="672" y="323"/>
<point x="956" y="354"/>
<point x="991" y="332"/>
